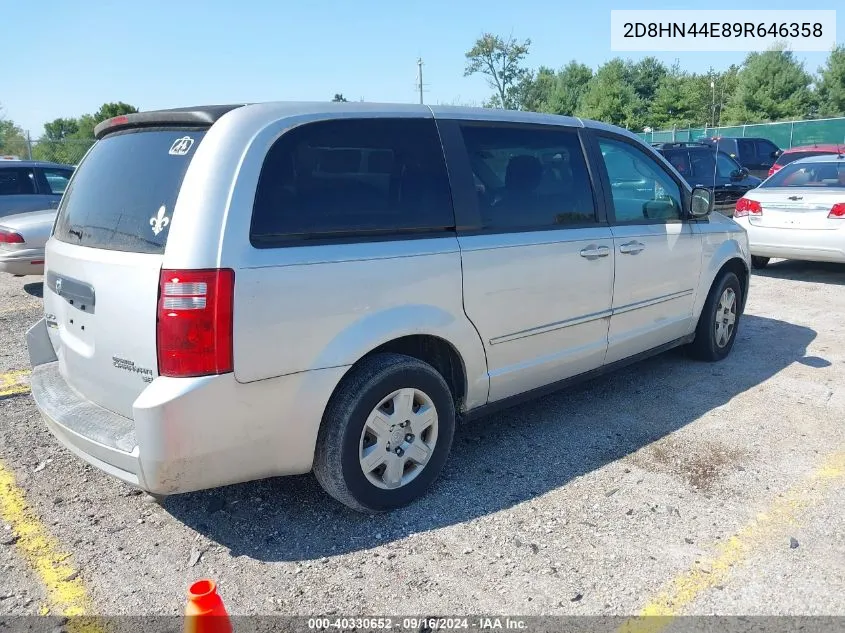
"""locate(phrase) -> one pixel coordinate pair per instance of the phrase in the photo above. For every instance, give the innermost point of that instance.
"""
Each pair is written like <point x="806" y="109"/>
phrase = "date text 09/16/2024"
<point x="415" y="624"/>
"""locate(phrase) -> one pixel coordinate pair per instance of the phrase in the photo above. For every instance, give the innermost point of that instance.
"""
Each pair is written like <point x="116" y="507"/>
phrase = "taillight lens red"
<point x="10" y="237"/>
<point x="194" y="333"/>
<point x="837" y="212"/>
<point x="745" y="207"/>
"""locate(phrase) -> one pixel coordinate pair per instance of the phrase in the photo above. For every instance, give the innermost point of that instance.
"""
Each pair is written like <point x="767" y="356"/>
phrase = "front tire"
<point x="385" y="434"/>
<point x="719" y="320"/>
<point x="758" y="263"/>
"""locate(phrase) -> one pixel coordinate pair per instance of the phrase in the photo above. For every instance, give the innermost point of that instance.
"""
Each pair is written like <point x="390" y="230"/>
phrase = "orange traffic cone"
<point x="205" y="612"/>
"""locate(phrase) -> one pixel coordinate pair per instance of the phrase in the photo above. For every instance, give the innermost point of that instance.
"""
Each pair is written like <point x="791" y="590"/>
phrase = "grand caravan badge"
<point x="181" y="146"/>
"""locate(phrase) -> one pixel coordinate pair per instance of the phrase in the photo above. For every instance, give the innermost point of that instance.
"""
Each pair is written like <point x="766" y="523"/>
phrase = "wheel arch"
<point x="449" y="343"/>
<point x="729" y="256"/>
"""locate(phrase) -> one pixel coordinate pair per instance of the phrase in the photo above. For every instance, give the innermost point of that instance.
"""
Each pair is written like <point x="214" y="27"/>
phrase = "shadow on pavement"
<point x="505" y="459"/>
<point x="794" y="270"/>
<point x="35" y="289"/>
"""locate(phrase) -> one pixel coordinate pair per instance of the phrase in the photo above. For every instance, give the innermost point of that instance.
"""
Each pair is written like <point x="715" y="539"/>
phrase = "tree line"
<point x="768" y="86"/>
<point x="64" y="140"/>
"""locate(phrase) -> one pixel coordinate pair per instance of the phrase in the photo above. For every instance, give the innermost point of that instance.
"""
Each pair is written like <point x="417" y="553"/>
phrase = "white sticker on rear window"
<point x="158" y="222"/>
<point x="181" y="146"/>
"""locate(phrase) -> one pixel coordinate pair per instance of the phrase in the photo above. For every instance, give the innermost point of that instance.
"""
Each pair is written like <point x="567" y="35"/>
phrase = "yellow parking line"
<point x="65" y="592"/>
<point x="12" y="383"/>
<point x="767" y="526"/>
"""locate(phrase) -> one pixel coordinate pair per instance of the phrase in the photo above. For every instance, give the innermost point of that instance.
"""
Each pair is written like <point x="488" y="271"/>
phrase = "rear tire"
<point x="758" y="263"/>
<point x="719" y="320"/>
<point x="385" y="434"/>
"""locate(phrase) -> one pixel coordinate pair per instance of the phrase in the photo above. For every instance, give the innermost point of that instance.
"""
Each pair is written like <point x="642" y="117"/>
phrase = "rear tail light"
<point x="837" y="212"/>
<point x="745" y="207"/>
<point x="194" y="329"/>
<point x="10" y="237"/>
<point x="773" y="169"/>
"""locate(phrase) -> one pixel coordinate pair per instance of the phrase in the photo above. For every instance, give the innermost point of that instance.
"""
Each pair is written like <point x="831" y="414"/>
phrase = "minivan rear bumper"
<point x="188" y="433"/>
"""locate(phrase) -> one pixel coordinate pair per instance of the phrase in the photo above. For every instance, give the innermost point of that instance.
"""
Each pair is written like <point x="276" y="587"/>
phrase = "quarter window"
<point x="529" y="178"/>
<point x="353" y="177"/>
<point x="641" y="190"/>
<point x="57" y="180"/>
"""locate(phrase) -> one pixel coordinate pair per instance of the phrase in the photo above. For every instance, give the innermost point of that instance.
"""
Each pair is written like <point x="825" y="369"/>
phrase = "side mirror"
<point x="737" y="174"/>
<point x="701" y="203"/>
<point x="776" y="154"/>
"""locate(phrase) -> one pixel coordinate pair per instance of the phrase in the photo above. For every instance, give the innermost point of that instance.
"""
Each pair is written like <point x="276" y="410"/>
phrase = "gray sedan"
<point x="22" y="240"/>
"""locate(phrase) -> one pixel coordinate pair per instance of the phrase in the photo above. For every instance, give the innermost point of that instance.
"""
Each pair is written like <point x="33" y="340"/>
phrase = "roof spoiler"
<point x="200" y="116"/>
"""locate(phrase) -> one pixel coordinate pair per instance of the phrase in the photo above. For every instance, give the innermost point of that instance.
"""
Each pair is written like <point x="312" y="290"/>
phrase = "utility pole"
<point x="420" y="84"/>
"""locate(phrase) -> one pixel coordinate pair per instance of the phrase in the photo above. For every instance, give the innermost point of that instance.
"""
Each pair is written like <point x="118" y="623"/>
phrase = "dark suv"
<point x="702" y="166"/>
<point x="757" y="155"/>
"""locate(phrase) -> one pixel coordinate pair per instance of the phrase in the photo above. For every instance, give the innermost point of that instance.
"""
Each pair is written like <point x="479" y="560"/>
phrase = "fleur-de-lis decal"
<point x="160" y="221"/>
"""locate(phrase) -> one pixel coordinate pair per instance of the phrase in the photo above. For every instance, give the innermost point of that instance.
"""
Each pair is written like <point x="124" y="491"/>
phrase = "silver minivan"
<point x="239" y="292"/>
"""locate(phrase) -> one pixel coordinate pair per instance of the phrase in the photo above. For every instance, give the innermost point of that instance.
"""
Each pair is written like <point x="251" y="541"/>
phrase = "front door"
<point x="658" y="253"/>
<point x="538" y="265"/>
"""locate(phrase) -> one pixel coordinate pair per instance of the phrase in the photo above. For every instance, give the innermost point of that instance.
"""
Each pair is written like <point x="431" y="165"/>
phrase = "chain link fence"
<point x="785" y="134"/>
<point x="66" y="151"/>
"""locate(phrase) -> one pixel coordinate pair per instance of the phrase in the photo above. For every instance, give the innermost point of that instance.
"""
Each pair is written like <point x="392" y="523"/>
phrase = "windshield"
<point x="826" y="175"/>
<point x="121" y="197"/>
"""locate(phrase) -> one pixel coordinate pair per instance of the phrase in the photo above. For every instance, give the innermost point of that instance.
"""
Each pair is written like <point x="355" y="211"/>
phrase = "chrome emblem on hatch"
<point x="58" y="286"/>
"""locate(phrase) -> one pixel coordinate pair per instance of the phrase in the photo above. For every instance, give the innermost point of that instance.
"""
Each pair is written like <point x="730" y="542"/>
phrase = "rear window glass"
<point x="122" y="196"/>
<point x="353" y="177"/>
<point x="816" y="175"/>
<point x="785" y="159"/>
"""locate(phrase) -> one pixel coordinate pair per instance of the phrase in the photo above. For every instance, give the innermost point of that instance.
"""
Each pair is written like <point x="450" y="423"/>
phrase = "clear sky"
<point x="70" y="57"/>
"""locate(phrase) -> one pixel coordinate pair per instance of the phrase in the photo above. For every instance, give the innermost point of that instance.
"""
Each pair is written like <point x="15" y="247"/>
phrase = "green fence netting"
<point x="784" y="134"/>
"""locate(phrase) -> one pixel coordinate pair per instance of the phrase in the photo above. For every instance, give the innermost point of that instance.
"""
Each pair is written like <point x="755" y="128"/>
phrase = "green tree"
<point x="12" y="139"/>
<point x="679" y="100"/>
<point x="556" y="93"/>
<point x="772" y="85"/>
<point x="338" y="98"/>
<point x="611" y="97"/>
<point x="645" y="77"/>
<point x="830" y="87"/>
<point x="501" y="61"/>
<point x="60" y="129"/>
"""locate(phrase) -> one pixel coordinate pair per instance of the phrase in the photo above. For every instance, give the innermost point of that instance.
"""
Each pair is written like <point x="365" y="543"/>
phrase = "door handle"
<point x="594" y="252"/>
<point x="632" y="248"/>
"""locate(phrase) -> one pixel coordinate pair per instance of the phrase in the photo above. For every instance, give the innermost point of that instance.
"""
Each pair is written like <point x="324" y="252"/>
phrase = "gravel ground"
<point x="586" y="502"/>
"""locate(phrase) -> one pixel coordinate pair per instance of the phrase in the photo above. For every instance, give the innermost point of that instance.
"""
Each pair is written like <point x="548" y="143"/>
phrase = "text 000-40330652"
<point x="723" y="30"/>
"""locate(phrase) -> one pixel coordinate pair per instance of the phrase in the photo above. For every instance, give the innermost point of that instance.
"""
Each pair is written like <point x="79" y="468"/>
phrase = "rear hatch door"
<point x="104" y="259"/>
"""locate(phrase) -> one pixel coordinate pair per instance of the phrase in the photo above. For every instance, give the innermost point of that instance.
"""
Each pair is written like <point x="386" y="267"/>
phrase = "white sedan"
<point x="798" y="213"/>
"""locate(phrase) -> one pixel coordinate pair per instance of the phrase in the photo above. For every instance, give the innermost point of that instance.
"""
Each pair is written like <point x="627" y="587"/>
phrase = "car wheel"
<point x="385" y="434"/>
<point x="759" y="262"/>
<point x="719" y="320"/>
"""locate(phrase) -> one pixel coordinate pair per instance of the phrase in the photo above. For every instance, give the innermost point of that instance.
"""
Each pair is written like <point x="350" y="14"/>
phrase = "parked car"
<point x="702" y="166"/>
<point x="29" y="185"/>
<point x="798" y="213"/>
<point x="326" y="286"/>
<point x="794" y="153"/>
<point x="755" y="154"/>
<point x="22" y="240"/>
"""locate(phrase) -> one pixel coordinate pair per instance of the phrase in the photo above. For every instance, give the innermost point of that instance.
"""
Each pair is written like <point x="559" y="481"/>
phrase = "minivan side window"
<point x="528" y="177"/>
<point x="16" y="181"/>
<point x="350" y="178"/>
<point x="642" y="191"/>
